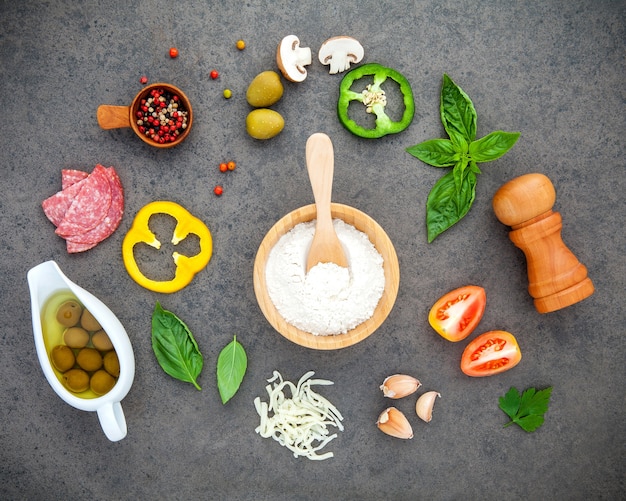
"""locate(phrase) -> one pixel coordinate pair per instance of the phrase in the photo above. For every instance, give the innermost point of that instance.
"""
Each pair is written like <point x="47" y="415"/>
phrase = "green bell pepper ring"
<point x="374" y="99"/>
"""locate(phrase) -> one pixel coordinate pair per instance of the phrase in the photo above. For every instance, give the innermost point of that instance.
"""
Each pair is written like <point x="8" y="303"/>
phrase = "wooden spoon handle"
<point x="113" y="117"/>
<point x="320" y="162"/>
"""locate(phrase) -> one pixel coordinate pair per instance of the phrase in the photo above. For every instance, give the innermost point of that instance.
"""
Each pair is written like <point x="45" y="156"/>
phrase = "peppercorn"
<point x="218" y="190"/>
<point x="166" y="118"/>
<point x="143" y="80"/>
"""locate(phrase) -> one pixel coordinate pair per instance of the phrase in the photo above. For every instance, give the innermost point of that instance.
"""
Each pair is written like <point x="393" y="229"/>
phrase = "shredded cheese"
<point x="301" y="422"/>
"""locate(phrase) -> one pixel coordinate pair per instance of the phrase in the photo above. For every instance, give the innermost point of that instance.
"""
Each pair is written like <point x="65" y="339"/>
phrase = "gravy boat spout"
<point x="48" y="285"/>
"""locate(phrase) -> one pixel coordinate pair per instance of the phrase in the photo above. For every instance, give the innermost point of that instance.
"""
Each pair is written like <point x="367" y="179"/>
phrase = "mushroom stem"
<point x="292" y="59"/>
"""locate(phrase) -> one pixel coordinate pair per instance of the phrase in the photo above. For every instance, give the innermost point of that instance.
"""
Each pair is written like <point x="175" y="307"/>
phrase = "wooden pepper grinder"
<point x="556" y="278"/>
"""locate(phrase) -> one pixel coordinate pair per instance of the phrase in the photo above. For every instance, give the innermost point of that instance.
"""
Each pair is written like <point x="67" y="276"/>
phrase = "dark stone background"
<point x="553" y="70"/>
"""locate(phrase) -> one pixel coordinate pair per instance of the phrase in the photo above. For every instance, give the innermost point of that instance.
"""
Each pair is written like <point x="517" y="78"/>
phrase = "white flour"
<point x="330" y="299"/>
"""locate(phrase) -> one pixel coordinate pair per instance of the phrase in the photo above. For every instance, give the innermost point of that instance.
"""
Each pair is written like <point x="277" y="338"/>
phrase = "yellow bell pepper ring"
<point x="186" y="267"/>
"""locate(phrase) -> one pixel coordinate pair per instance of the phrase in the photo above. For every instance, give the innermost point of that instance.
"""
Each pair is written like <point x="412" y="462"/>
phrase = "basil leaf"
<point x="474" y="167"/>
<point x="231" y="367"/>
<point x="446" y="206"/>
<point x="492" y="146"/>
<point x="453" y="195"/>
<point x="459" y="173"/>
<point x="175" y="347"/>
<point x="436" y="152"/>
<point x="457" y="112"/>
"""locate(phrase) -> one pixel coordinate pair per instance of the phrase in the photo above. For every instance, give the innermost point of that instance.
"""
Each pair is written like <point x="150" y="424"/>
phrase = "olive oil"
<point x="53" y="332"/>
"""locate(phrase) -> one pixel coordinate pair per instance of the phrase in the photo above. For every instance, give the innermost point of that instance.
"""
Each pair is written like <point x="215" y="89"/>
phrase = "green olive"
<point x="101" y="382"/>
<point x="112" y="363"/>
<point x="68" y="313"/>
<point x="62" y="357"/>
<point x="76" y="337"/>
<point x="101" y="341"/>
<point x="88" y="321"/>
<point x="264" y="90"/>
<point x="89" y="359"/>
<point x="264" y="123"/>
<point x="76" y="380"/>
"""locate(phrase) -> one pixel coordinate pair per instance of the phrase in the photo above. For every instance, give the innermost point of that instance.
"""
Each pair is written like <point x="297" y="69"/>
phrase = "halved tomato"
<point x="455" y="315"/>
<point x="490" y="353"/>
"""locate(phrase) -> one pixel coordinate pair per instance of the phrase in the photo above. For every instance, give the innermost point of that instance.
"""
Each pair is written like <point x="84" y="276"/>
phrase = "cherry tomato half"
<point x="490" y="353"/>
<point x="455" y="315"/>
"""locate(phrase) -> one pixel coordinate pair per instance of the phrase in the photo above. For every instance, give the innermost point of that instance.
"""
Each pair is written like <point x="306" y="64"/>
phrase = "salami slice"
<point x="111" y="221"/>
<point x="57" y="205"/>
<point x="89" y="207"/>
<point x="73" y="247"/>
<point x="71" y="176"/>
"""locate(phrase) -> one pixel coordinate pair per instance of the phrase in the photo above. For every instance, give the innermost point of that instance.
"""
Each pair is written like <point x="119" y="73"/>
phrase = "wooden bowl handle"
<point x="113" y="117"/>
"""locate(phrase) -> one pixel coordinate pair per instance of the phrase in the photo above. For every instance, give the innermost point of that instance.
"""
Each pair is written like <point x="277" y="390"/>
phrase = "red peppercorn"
<point x="218" y="190"/>
<point x="214" y="74"/>
<point x="143" y="80"/>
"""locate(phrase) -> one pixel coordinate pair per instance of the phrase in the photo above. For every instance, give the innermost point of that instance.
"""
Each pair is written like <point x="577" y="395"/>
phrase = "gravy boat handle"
<point x="112" y="420"/>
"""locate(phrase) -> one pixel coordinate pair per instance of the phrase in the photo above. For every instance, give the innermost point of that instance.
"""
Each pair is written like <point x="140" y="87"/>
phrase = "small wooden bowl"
<point x="115" y="117"/>
<point x="377" y="236"/>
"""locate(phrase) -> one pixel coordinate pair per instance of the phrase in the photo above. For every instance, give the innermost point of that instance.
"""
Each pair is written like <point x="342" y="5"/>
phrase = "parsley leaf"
<point x="526" y="409"/>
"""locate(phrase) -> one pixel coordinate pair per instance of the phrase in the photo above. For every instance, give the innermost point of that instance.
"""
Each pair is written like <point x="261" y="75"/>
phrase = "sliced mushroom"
<point x="340" y="52"/>
<point x="292" y="59"/>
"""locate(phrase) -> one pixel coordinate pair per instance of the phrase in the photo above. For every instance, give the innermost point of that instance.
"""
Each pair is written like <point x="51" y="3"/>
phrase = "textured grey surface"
<point x="553" y="70"/>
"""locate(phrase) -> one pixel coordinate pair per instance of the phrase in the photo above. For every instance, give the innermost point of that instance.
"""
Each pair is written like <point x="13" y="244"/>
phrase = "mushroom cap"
<point x="292" y="59"/>
<point x="340" y="52"/>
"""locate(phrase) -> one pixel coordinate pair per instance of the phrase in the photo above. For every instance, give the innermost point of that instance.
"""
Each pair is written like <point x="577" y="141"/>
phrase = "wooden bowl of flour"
<point x="377" y="237"/>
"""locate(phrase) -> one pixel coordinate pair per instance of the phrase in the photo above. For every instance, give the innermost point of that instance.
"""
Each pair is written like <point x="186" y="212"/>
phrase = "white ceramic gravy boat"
<point x="46" y="280"/>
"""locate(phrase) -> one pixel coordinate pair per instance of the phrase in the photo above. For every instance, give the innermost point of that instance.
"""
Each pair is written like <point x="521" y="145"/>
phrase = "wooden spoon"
<point x="325" y="247"/>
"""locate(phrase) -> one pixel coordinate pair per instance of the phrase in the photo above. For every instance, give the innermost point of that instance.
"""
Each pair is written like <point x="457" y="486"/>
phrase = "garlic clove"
<point x="392" y="422"/>
<point x="399" y="385"/>
<point x="425" y="404"/>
